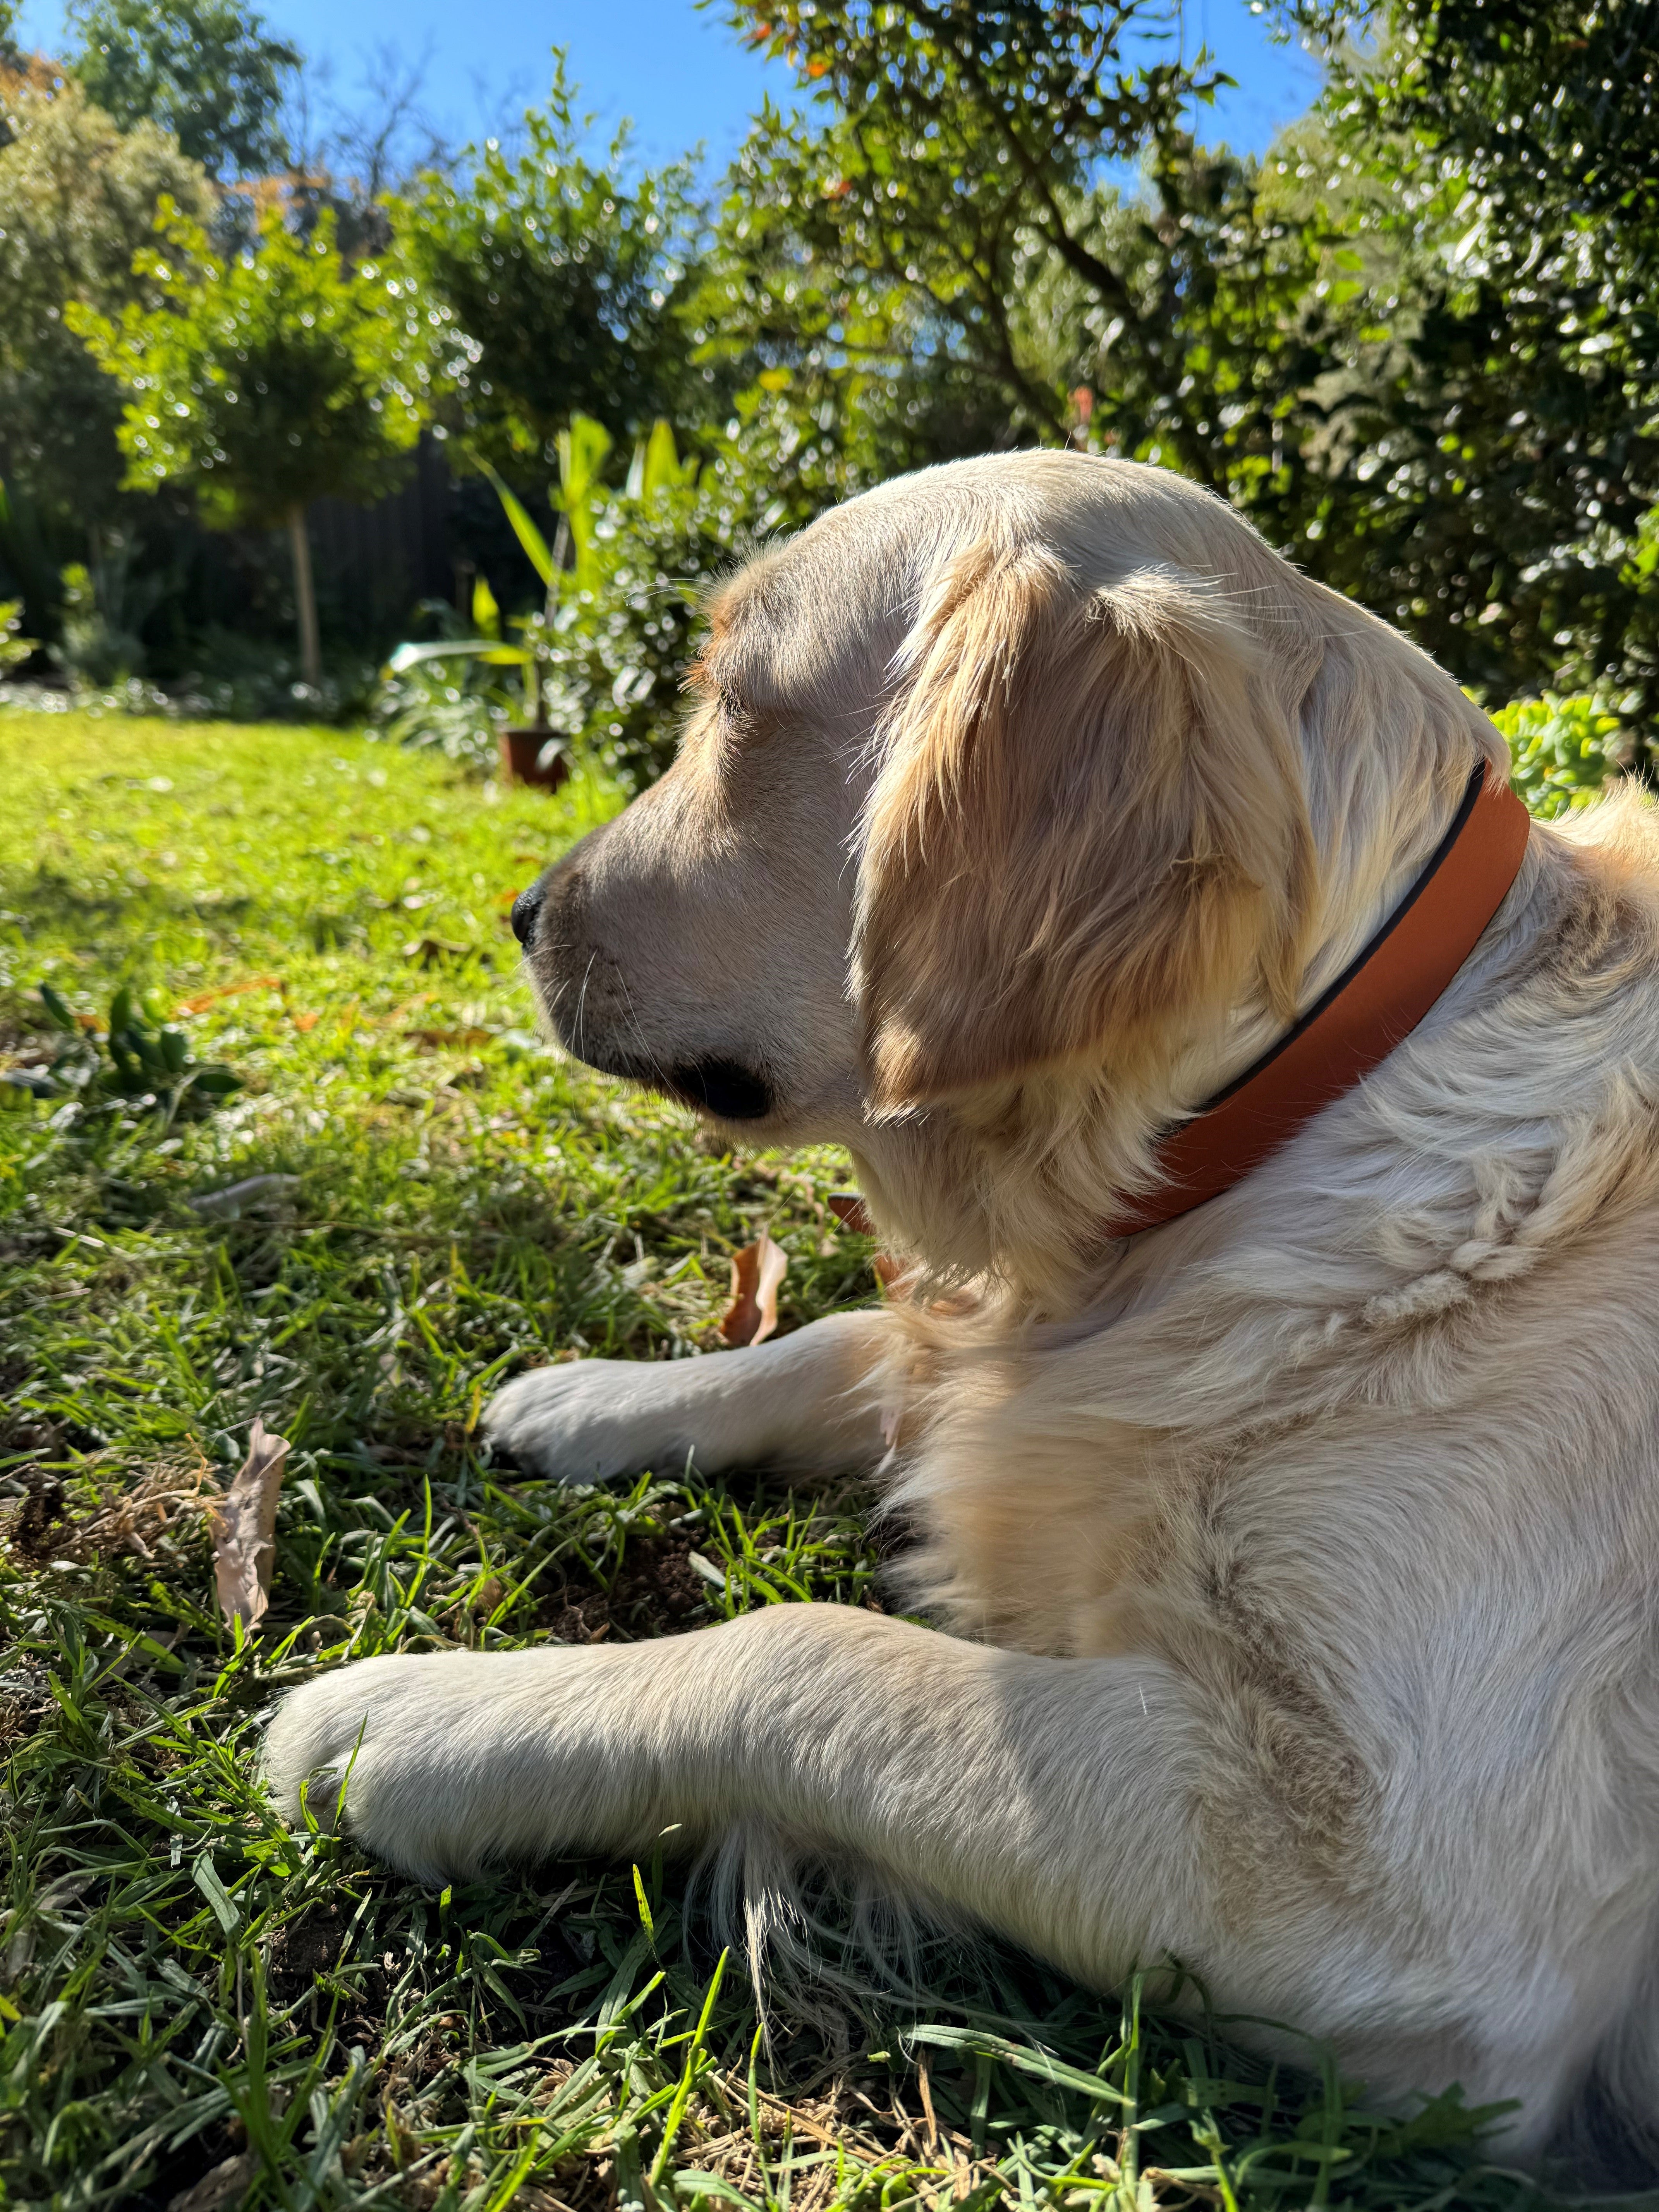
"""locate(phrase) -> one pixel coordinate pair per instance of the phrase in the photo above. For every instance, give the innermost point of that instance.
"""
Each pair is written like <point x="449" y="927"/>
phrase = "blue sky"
<point x="674" y="68"/>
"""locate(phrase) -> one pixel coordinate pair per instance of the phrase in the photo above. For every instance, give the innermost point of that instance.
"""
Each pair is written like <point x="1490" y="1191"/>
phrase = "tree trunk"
<point x="305" y="598"/>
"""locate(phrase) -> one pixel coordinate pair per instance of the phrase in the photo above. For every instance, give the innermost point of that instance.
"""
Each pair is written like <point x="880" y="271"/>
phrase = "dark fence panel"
<point x="372" y="563"/>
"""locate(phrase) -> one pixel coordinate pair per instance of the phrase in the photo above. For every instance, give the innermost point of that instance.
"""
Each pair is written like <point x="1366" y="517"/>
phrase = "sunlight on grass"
<point x="202" y="2009"/>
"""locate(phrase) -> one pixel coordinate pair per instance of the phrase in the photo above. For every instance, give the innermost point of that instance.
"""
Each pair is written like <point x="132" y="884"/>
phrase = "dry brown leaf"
<point x="437" y="1038"/>
<point x="851" y="1212"/>
<point x="229" y="991"/>
<point x="756" y="1272"/>
<point x="243" y="1525"/>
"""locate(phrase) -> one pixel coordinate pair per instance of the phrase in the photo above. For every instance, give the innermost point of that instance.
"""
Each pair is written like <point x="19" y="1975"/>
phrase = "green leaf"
<point x="206" y="1877"/>
<point x="59" y="1011"/>
<point x="1022" y="2058"/>
<point x="583" y="449"/>
<point x="535" y="545"/>
<point x="451" y="648"/>
<point x="645" y="1909"/>
<point x="486" y="615"/>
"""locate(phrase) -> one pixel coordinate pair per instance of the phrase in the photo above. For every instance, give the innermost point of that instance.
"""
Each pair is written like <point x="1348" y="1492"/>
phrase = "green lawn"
<point x="200" y="2009"/>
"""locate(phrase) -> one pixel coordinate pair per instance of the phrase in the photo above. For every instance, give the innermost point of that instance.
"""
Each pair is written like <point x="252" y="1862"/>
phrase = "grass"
<point x="201" y="2009"/>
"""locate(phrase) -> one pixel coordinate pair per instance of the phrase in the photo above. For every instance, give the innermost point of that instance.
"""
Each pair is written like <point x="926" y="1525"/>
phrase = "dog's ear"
<point x="1088" y="834"/>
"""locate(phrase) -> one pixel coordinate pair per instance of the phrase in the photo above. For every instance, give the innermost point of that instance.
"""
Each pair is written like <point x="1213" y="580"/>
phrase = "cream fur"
<point x="1302" y="1556"/>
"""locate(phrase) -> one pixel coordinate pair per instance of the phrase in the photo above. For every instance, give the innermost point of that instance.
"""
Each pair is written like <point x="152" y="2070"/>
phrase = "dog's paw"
<point x="423" y="1759"/>
<point x="591" y="1418"/>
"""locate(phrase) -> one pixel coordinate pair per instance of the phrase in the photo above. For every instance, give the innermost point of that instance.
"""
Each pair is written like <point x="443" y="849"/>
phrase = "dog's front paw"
<point x="430" y="1761"/>
<point x="591" y="1419"/>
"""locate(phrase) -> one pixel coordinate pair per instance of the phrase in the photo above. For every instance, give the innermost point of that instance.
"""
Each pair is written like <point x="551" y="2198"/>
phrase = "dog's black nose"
<point x="525" y="907"/>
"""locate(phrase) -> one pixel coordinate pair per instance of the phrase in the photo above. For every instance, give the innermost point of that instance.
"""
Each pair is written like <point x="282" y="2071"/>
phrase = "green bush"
<point x="99" y="648"/>
<point x="1562" y="750"/>
<point x="650" y="551"/>
<point x="14" y="649"/>
<point x="624" y="580"/>
<point x="442" y="705"/>
<point x="141" y="1061"/>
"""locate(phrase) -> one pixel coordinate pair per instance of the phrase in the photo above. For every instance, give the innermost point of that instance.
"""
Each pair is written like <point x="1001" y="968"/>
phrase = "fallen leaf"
<point x="851" y="1212"/>
<point x="756" y="1272"/>
<point x="435" y="1038"/>
<point x="229" y="991"/>
<point x="243" y="1525"/>
<point x="306" y="1022"/>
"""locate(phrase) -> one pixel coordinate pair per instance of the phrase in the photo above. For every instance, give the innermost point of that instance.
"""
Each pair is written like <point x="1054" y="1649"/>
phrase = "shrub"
<point x="139" y="1062"/>
<point x="437" y="705"/>
<point x="1563" y="750"/>
<point x="14" y="650"/>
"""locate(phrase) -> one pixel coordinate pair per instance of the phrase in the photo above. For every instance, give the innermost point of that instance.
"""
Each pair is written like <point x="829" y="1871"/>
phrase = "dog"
<point x="1297" y="1560"/>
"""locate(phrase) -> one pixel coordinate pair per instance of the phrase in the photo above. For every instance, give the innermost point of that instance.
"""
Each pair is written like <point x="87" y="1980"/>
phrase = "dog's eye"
<point x="707" y="688"/>
<point x="735" y="717"/>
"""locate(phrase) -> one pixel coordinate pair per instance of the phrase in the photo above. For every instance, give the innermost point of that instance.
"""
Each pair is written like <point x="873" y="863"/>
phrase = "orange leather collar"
<point x="1373" y="1005"/>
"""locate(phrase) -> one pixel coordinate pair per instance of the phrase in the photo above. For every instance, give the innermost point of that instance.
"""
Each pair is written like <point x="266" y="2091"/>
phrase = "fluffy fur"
<point x="1301" y="1557"/>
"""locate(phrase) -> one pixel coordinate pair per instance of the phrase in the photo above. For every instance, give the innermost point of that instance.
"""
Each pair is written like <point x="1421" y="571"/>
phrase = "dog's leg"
<point x="1051" y="1798"/>
<point x="1107" y="1813"/>
<point x="799" y="1401"/>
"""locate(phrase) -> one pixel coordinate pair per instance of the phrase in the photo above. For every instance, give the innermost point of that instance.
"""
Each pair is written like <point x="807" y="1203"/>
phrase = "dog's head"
<point x="999" y="780"/>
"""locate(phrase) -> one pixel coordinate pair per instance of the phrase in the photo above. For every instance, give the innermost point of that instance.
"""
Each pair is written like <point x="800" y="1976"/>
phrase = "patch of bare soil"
<point x="656" y="1592"/>
<point x="39" y="1523"/>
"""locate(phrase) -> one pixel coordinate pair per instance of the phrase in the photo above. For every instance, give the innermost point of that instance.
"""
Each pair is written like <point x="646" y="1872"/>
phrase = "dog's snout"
<point x="525" y="907"/>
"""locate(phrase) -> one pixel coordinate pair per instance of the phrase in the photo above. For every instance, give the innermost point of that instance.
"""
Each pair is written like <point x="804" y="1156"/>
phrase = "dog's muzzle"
<point x="526" y="908"/>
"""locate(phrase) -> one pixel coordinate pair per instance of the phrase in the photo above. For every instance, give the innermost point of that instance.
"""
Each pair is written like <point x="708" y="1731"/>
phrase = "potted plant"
<point x="532" y="750"/>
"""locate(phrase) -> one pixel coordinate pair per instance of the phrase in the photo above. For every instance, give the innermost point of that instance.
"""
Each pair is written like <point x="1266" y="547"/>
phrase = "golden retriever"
<point x="1301" y="1557"/>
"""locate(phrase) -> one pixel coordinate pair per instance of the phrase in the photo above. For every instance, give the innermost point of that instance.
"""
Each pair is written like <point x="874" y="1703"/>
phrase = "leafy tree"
<point x="936" y="232"/>
<point x="1493" y="494"/>
<point x="78" y="201"/>
<point x="567" y="276"/>
<point x="207" y="70"/>
<point x="1418" y="343"/>
<point x="270" y="377"/>
<point x="1548" y="108"/>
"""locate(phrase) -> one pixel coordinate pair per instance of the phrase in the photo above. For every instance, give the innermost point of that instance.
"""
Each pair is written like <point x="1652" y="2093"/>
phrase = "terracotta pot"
<point x="529" y="757"/>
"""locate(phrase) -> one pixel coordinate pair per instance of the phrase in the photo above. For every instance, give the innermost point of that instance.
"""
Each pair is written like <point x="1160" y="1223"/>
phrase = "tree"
<point x="1497" y="495"/>
<point x="269" y="379"/>
<point x="78" y="201"/>
<point x="939" y="230"/>
<point x="1548" y="108"/>
<point x="207" y="70"/>
<point x="567" y="276"/>
<point x="1418" y="344"/>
